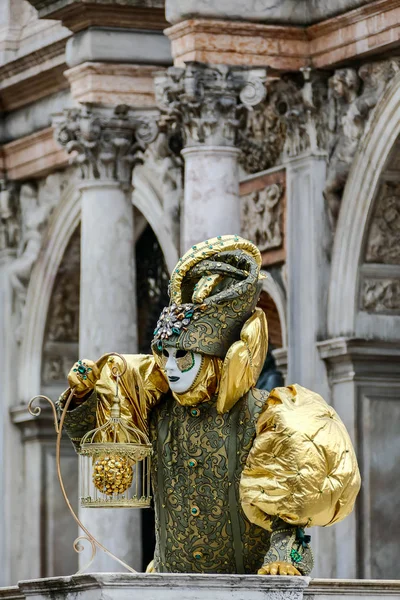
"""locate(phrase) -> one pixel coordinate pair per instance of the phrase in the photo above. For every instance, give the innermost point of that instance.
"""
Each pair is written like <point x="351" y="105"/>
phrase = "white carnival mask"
<point x="181" y="367"/>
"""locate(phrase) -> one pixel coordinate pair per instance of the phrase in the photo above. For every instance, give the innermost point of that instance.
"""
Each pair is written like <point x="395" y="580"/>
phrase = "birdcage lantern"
<point x="115" y="464"/>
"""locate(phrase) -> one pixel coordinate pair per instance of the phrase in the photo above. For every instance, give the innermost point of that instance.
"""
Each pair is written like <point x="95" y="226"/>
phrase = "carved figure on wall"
<point x="262" y="217"/>
<point x="9" y="226"/>
<point x="262" y="140"/>
<point x="352" y="109"/>
<point x="34" y="216"/>
<point x="235" y="477"/>
<point x="383" y="242"/>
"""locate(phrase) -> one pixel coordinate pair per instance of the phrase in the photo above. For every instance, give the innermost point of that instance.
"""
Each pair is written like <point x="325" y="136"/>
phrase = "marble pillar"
<point x="307" y="287"/>
<point x="107" y="295"/>
<point x="108" y="324"/>
<point x="205" y="103"/>
<point x="211" y="194"/>
<point x="106" y="142"/>
<point x="7" y="393"/>
<point x="307" y="269"/>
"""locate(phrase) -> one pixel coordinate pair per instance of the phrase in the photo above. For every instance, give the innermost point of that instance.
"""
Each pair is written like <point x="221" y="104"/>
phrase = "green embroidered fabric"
<point x="198" y="460"/>
<point x="80" y="419"/>
<point x="199" y="457"/>
<point x="287" y="547"/>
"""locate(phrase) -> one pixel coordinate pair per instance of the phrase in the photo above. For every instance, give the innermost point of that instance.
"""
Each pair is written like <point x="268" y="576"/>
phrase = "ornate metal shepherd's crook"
<point x="58" y="426"/>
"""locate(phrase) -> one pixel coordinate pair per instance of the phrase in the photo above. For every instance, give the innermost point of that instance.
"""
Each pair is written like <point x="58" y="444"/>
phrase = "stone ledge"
<point x="358" y="33"/>
<point x="112" y="84"/>
<point x="78" y="15"/>
<point x="33" y="76"/>
<point x="124" y="586"/>
<point x="349" y="359"/>
<point x="168" y="586"/>
<point x="230" y="42"/>
<point x="290" y="12"/>
<point x="34" y="155"/>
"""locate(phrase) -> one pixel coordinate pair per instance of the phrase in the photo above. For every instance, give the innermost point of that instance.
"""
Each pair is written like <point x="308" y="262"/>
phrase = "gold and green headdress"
<point x="213" y="290"/>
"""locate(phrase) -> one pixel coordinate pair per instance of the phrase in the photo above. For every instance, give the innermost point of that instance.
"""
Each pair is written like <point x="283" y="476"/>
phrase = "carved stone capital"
<point x="208" y="102"/>
<point x="105" y="144"/>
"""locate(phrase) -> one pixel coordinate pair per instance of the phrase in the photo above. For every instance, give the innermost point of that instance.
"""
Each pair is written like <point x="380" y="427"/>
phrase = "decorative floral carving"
<point x="383" y="243"/>
<point x="290" y="121"/>
<point x="381" y="295"/>
<point x="107" y="145"/>
<point x="262" y="217"/>
<point x="207" y="102"/>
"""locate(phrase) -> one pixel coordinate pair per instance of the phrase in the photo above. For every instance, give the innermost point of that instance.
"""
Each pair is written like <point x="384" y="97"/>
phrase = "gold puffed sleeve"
<point x="140" y="388"/>
<point x="302" y="466"/>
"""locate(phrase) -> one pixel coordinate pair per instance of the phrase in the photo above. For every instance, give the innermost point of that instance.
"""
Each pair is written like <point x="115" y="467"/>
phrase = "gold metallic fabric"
<point x="140" y="388"/>
<point x="244" y="361"/>
<point x="302" y="466"/>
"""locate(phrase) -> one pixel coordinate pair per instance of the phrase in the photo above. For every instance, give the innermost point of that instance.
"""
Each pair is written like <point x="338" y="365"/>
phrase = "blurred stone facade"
<point x="133" y="124"/>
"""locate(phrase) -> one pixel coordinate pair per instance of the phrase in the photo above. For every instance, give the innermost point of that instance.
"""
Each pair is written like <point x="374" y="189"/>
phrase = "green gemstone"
<point x="191" y="463"/>
<point x="194" y="511"/>
<point x="81" y="370"/>
<point x="197" y="556"/>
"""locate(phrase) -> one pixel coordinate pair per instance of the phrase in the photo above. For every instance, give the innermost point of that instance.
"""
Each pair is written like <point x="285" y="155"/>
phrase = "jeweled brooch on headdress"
<point x="173" y="320"/>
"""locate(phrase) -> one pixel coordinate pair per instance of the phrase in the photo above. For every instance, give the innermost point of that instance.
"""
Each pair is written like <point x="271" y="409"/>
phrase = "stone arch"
<point x="63" y="222"/>
<point x="358" y="202"/>
<point x="275" y="293"/>
<point x="148" y="199"/>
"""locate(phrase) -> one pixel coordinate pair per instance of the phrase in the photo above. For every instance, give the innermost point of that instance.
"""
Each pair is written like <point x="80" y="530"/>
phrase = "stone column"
<point x="106" y="143"/>
<point x="206" y="102"/>
<point x="10" y="450"/>
<point x="302" y="111"/>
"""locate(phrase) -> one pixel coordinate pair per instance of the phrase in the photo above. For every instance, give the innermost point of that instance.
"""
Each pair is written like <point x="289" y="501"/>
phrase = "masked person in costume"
<point x="238" y="473"/>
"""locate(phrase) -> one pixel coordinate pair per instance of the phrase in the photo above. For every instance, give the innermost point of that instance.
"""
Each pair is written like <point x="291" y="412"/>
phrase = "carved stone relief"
<point x="380" y="287"/>
<point x="207" y="103"/>
<point x="262" y="217"/>
<point x="353" y="96"/>
<point x="383" y="242"/>
<point x="107" y="143"/>
<point x="9" y="216"/>
<point x="310" y="111"/>
<point x="381" y="295"/>
<point x="23" y="229"/>
<point x="62" y="329"/>
<point x="35" y="210"/>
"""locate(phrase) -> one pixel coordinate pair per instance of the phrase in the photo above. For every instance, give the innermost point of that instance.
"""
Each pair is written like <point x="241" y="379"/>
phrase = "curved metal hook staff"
<point x="58" y="425"/>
